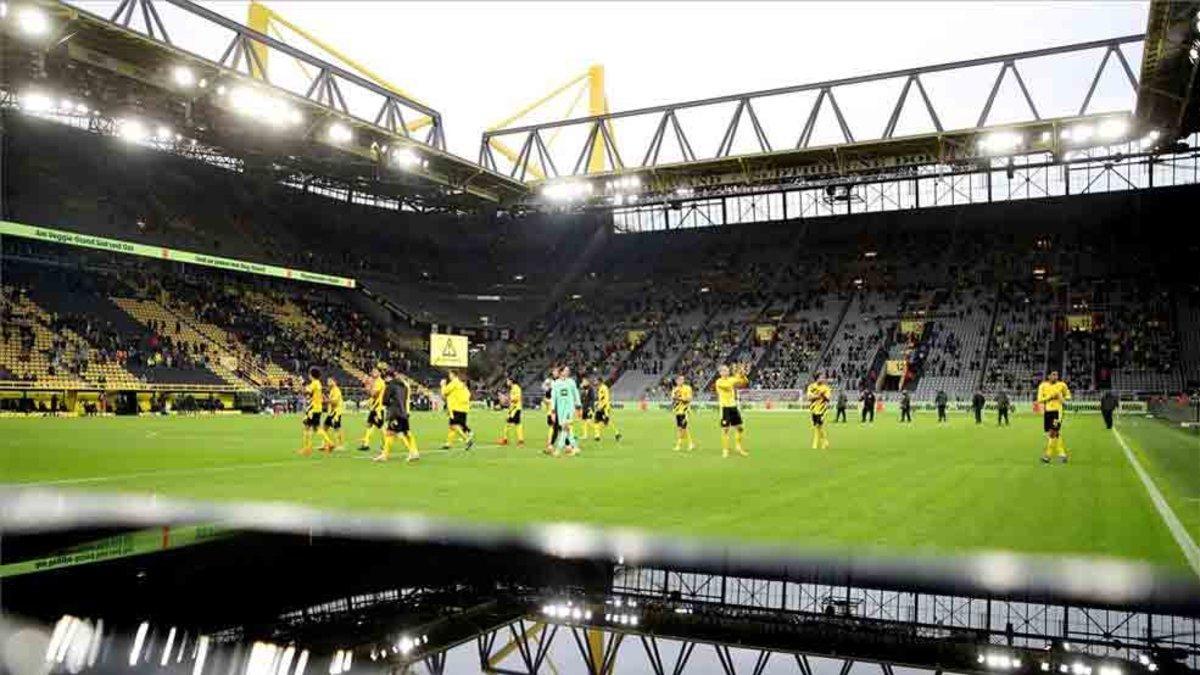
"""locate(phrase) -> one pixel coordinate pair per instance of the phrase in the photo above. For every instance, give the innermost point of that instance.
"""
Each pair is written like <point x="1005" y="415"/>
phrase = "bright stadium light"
<point x="1112" y="129"/>
<point x="567" y="190"/>
<point x="339" y="133"/>
<point x="183" y="76"/>
<point x="255" y="104"/>
<point x="1000" y="142"/>
<point x="1194" y="53"/>
<point x="35" y="102"/>
<point x="408" y="158"/>
<point x="132" y="130"/>
<point x="163" y="133"/>
<point x="1080" y="133"/>
<point x="33" y="21"/>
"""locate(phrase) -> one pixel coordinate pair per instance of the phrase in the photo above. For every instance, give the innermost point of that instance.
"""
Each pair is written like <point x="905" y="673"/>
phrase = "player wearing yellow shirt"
<point x="513" y="420"/>
<point x="374" y="408"/>
<point x="818" y="395"/>
<point x="333" y="417"/>
<point x="603" y="414"/>
<point x="458" y="402"/>
<point x="312" y="411"/>
<point x="1051" y="394"/>
<point x="681" y="406"/>
<point x="727" y="384"/>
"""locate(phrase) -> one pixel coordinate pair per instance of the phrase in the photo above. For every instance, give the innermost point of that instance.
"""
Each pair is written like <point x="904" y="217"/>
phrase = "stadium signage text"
<point x="172" y="254"/>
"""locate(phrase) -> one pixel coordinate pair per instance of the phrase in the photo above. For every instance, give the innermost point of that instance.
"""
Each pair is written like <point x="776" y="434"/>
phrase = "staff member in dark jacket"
<point x="905" y="407"/>
<point x="868" y="404"/>
<point x="841" y="407"/>
<point x="1002" y="406"/>
<point x="941" y="400"/>
<point x="1108" y="404"/>
<point x="397" y="400"/>
<point x="977" y="406"/>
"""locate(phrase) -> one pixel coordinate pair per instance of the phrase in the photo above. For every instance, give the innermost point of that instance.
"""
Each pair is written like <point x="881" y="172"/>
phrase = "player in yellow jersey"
<point x="375" y="390"/>
<point x="332" y="428"/>
<point x="681" y="406"/>
<point x="603" y="415"/>
<point x="458" y="403"/>
<point x="727" y="384"/>
<point x="818" y="395"/>
<point x="513" y="419"/>
<point x="312" y="411"/>
<point x="1051" y="394"/>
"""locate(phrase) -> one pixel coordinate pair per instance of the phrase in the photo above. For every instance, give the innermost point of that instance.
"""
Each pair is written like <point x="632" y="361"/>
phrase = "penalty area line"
<point x="1190" y="551"/>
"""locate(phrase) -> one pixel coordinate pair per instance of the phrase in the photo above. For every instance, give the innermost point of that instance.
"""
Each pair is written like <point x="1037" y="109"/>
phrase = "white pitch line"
<point x="1178" y="531"/>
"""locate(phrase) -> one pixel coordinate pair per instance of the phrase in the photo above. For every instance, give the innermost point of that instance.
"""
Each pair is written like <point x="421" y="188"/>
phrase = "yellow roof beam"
<point x="260" y="18"/>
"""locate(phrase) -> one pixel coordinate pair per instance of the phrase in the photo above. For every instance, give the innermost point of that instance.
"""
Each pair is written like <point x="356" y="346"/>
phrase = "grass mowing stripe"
<point x="1178" y="531"/>
<point x="152" y="474"/>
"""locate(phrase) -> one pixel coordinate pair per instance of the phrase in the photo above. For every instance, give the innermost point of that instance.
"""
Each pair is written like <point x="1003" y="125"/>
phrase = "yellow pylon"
<point x="263" y="19"/>
<point x="597" y="105"/>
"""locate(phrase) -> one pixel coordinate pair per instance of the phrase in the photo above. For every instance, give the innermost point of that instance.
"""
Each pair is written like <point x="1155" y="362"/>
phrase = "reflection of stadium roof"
<point x="574" y="596"/>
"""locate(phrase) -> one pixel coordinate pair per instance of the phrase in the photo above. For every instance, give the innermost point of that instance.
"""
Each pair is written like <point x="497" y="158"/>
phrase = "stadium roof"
<point x="335" y="126"/>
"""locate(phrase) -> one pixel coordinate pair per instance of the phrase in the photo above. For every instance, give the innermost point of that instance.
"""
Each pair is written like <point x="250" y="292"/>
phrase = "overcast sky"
<point x="477" y="62"/>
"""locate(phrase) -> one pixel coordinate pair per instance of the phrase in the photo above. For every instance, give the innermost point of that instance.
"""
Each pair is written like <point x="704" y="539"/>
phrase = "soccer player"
<point x="374" y="407"/>
<point x="603" y="414"/>
<point x="458" y="403"/>
<point x="727" y="384"/>
<point x="1051" y="394"/>
<point x="681" y="405"/>
<point x="565" y="407"/>
<point x="397" y="399"/>
<point x="513" y="420"/>
<point x="587" y="399"/>
<point x="547" y="399"/>
<point x="818" y="395"/>
<point x="312" y="412"/>
<point x="333" y="417"/>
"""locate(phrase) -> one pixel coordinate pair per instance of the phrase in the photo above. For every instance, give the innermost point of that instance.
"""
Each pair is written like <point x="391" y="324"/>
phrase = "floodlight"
<point x="3" y="10"/>
<point x="33" y="21"/>
<point x="132" y="130"/>
<point x="407" y="158"/>
<point x="163" y="133"/>
<point x="1113" y="128"/>
<point x="1000" y="141"/>
<point x="339" y="133"/>
<point x="1079" y="133"/>
<point x="183" y="76"/>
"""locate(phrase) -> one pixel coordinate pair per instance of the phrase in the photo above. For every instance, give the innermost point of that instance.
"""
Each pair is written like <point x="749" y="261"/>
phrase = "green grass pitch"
<point x="924" y="488"/>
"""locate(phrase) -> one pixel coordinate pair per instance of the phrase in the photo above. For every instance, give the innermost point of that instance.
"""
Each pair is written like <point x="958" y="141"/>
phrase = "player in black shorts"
<point x="587" y="402"/>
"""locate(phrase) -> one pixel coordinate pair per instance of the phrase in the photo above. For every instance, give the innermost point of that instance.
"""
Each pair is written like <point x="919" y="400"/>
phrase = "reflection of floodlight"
<point x="35" y="101"/>
<point x="132" y="130"/>
<point x="33" y="21"/>
<point x="184" y="77"/>
<point x="1194" y="53"/>
<point x="1112" y="129"/>
<point x="339" y="133"/>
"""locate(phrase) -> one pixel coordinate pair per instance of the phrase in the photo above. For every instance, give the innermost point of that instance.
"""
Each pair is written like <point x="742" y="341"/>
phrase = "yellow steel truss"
<point x="592" y="81"/>
<point x="266" y="21"/>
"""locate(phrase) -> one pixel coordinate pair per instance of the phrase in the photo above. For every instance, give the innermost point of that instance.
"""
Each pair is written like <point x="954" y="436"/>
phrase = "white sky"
<point x="477" y="62"/>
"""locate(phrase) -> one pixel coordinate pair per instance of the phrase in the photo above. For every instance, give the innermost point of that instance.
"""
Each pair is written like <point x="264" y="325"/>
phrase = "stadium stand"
<point x="993" y="302"/>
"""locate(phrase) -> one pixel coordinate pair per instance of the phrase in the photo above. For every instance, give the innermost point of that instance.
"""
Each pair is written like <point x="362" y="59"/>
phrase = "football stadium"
<point x="883" y="357"/>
